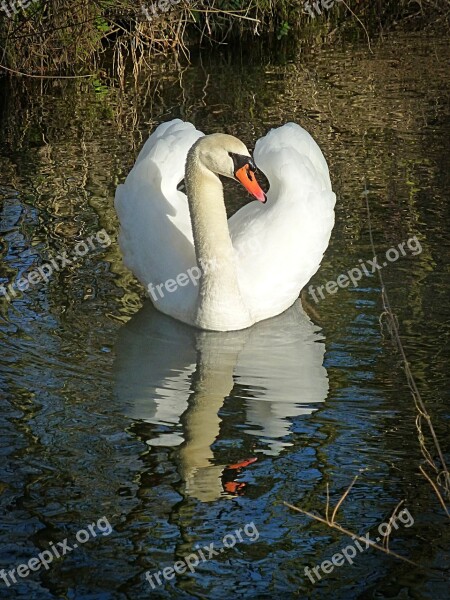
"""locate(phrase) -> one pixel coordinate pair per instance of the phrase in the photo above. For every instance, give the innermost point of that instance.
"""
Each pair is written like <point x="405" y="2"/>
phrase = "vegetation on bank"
<point x="56" y="37"/>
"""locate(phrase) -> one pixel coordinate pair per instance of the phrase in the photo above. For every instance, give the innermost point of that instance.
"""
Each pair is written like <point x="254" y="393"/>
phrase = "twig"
<point x="44" y="76"/>
<point x="418" y="401"/>
<point x="230" y="13"/>
<point x="438" y="493"/>
<point x="362" y="24"/>
<point x="344" y="496"/>
<point x="351" y="534"/>
<point x="391" y="520"/>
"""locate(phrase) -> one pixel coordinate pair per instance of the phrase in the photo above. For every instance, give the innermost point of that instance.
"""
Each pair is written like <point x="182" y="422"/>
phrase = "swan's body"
<point x="250" y="267"/>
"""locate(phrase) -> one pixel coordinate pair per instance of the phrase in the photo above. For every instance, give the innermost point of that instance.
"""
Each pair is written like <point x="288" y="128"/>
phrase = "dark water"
<point x="112" y="410"/>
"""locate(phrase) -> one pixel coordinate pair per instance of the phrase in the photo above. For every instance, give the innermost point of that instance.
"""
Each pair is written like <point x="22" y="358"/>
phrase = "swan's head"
<point x="226" y="155"/>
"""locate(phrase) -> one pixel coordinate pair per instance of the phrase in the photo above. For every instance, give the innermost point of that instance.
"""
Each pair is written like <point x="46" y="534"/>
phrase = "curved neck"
<point x="219" y="295"/>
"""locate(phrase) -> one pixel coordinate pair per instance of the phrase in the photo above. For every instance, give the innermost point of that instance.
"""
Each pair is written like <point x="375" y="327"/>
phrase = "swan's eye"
<point x="252" y="165"/>
<point x="241" y="161"/>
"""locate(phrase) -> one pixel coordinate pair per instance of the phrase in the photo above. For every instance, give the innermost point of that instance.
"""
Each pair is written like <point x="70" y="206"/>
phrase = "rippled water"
<point x="179" y="437"/>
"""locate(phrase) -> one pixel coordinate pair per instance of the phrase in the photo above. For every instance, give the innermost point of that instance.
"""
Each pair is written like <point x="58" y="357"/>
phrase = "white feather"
<point x="278" y="245"/>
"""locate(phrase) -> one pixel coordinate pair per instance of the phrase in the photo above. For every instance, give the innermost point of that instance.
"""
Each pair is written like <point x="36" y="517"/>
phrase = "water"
<point x="110" y="409"/>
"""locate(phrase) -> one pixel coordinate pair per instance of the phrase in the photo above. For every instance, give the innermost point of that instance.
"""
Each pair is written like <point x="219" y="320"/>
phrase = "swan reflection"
<point x="173" y="375"/>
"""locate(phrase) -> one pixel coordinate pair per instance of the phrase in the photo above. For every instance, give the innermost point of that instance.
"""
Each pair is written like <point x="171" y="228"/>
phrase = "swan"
<point x="201" y="268"/>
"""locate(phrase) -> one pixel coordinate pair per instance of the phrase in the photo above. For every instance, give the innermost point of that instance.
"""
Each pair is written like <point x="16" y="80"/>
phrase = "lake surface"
<point x="177" y="437"/>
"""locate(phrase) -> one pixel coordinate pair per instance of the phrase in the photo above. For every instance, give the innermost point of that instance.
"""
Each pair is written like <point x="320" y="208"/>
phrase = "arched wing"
<point x="280" y="245"/>
<point x="155" y="233"/>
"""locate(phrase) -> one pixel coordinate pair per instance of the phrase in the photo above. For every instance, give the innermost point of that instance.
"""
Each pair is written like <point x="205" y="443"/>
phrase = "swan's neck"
<point x="220" y="303"/>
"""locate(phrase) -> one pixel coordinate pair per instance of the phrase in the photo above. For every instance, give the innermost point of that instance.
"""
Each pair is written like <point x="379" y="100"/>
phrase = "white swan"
<point x="197" y="266"/>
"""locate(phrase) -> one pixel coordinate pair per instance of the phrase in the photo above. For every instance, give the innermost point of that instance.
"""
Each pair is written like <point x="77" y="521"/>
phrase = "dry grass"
<point x="57" y="37"/>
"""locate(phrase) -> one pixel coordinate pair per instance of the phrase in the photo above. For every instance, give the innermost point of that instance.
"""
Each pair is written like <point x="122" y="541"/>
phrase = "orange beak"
<point x="247" y="177"/>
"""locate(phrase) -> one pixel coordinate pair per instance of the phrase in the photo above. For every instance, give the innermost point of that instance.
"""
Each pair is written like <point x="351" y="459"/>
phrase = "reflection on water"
<point x="110" y="409"/>
<point x="174" y="375"/>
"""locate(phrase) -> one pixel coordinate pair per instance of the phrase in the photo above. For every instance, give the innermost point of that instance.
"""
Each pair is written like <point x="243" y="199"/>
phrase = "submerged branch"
<point x="443" y="475"/>
<point x="350" y="533"/>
